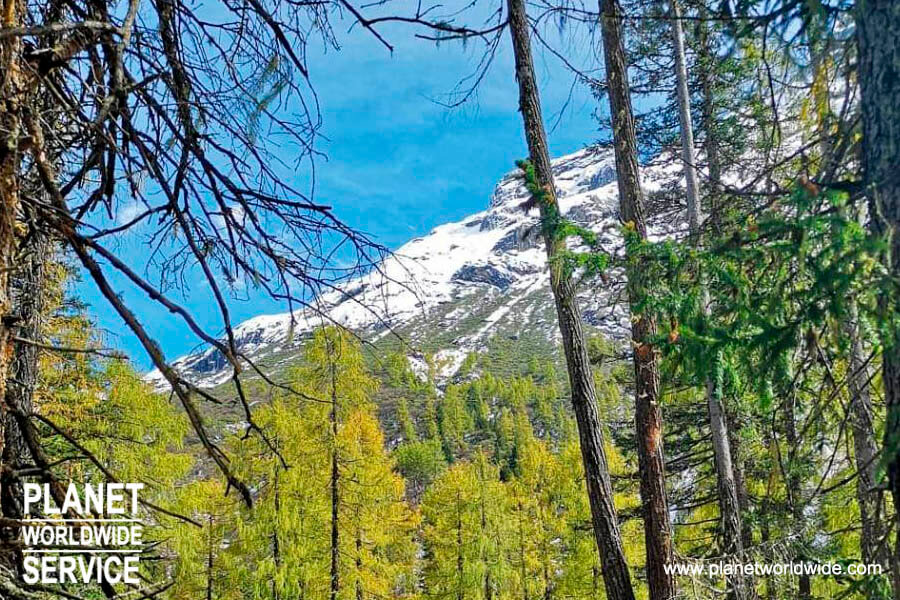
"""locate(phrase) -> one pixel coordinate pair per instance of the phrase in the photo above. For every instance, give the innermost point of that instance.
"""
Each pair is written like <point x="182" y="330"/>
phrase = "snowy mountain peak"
<point x="455" y="288"/>
<point x="576" y="173"/>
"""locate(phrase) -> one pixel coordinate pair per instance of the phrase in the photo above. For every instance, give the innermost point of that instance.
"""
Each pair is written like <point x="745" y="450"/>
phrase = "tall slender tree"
<point x="729" y="509"/>
<point x="648" y="413"/>
<point x="334" y="482"/>
<point x="617" y="578"/>
<point x="874" y="546"/>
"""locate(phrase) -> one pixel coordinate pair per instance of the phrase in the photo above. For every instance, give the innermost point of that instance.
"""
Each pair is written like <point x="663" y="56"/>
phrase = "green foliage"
<point x="465" y="531"/>
<point x="774" y="282"/>
<point x="420" y="463"/>
<point x="558" y="230"/>
<point x="282" y="547"/>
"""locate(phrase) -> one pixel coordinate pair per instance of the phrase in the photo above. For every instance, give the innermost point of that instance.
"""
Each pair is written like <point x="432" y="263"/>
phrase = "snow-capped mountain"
<point x="451" y="291"/>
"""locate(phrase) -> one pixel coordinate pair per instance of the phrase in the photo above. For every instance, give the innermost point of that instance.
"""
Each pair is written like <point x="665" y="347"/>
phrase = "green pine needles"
<point x="777" y="279"/>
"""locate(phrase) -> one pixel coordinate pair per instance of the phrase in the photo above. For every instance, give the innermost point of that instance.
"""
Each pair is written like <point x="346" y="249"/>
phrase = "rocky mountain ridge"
<point x="451" y="291"/>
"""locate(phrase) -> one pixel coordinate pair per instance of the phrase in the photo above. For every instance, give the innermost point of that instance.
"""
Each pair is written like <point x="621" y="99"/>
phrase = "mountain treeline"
<point x="751" y="415"/>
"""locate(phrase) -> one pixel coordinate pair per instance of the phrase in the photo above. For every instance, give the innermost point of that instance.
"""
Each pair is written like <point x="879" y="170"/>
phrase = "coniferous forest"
<point x="696" y="378"/>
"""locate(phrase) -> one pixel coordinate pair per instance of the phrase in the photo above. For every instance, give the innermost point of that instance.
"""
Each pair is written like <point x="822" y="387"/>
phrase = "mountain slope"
<point x="465" y="283"/>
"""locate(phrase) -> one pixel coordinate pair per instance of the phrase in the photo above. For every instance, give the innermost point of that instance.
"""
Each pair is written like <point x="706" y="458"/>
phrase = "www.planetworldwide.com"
<point x="718" y="569"/>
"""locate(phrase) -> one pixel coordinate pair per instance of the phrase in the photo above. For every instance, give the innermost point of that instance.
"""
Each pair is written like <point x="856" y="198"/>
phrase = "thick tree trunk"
<point x="729" y="508"/>
<point x="10" y="132"/>
<point x="28" y="292"/>
<point x="616" y="576"/>
<point x="648" y="415"/>
<point x="878" y="36"/>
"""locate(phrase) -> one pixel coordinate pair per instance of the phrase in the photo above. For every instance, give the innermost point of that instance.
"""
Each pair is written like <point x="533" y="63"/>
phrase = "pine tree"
<point x="204" y="568"/>
<point x="729" y="509"/>
<point x="466" y="533"/>
<point x="541" y="513"/>
<point x="379" y="524"/>
<point x="287" y="543"/>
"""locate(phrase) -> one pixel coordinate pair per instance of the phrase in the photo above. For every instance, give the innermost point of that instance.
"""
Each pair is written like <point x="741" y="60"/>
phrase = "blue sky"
<point x="398" y="163"/>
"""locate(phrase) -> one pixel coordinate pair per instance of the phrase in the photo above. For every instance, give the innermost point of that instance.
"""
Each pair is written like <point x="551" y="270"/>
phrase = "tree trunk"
<point x="687" y="128"/>
<point x="617" y="578"/>
<point x="708" y="110"/>
<point x="460" y="589"/>
<point x="729" y="506"/>
<point x="873" y="547"/>
<point x="714" y="168"/>
<point x="335" y="491"/>
<point x="648" y="416"/>
<point x="488" y="594"/>
<point x="276" y="545"/>
<point x="209" y="560"/>
<point x="791" y="459"/>
<point x="28" y="292"/>
<point x="523" y="572"/>
<point x="878" y="37"/>
<point x="729" y="509"/>
<point x="10" y="125"/>
<point x="737" y="461"/>
<point x="359" y="584"/>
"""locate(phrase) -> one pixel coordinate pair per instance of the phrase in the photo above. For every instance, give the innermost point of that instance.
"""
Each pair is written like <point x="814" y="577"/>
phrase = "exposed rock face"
<point x="483" y="274"/>
<point x="523" y="237"/>
<point x="465" y="282"/>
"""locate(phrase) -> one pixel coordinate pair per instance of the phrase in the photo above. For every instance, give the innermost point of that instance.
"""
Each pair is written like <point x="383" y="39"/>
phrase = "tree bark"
<point x="729" y="509"/>
<point x="28" y="292"/>
<point x="616" y="576"/>
<point x="708" y="111"/>
<point x="648" y="415"/>
<point x="873" y="547"/>
<point x="878" y="38"/>
<point x="11" y="93"/>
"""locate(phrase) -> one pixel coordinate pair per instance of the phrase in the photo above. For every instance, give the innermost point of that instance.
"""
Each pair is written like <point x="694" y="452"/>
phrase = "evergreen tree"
<point x="466" y="533"/>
